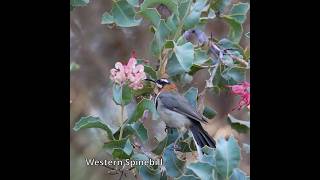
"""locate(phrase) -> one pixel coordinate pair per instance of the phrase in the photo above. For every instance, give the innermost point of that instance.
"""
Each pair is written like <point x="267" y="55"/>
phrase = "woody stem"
<point x="122" y="124"/>
<point x="163" y="61"/>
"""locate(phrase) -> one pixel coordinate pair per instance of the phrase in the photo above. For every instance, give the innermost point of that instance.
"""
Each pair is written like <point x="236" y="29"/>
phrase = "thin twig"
<point x="122" y="123"/>
<point x="209" y="83"/>
<point x="141" y="149"/>
<point x="242" y="61"/>
<point x="121" y="175"/>
<point x="221" y="53"/>
<point x="208" y="66"/>
<point x="163" y="62"/>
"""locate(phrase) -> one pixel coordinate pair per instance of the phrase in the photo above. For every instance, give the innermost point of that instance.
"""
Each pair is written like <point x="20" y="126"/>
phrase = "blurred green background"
<point x="96" y="48"/>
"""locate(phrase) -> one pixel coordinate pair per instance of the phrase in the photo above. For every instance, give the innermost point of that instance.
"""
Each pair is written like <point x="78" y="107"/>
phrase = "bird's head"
<point x="164" y="84"/>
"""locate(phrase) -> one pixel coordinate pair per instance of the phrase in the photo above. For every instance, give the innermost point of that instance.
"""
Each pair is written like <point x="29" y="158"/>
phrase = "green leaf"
<point x="235" y="19"/>
<point x="233" y="75"/>
<point x="172" y="135"/>
<point x="121" y="149"/>
<point x="208" y="156"/>
<point x="145" y="91"/>
<point x="146" y="172"/>
<point x="200" y="57"/>
<point x="187" y="177"/>
<point x="227" y="44"/>
<point x="184" y="146"/>
<point x="209" y="112"/>
<point x="239" y="11"/>
<point x="227" y="60"/>
<point x="134" y="3"/>
<point x="218" y="81"/>
<point x="173" y="66"/>
<point x="173" y="23"/>
<point x="150" y="71"/>
<point x="74" y="66"/>
<point x="235" y="29"/>
<point x="174" y="166"/>
<point x="124" y="14"/>
<point x="185" y="55"/>
<point x="93" y="122"/>
<point x="152" y="15"/>
<point x="169" y="44"/>
<point x="195" y="68"/>
<point x="139" y="130"/>
<point x="239" y="125"/>
<point x="183" y="8"/>
<point x="211" y="15"/>
<point x="171" y="4"/>
<point x="203" y="170"/>
<point x="181" y="40"/>
<point x="122" y="95"/>
<point x="192" y="95"/>
<point x="185" y="79"/>
<point x="195" y="11"/>
<point x="227" y="156"/>
<point x="127" y="95"/>
<point x="208" y="151"/>
<point x="160" y="147"/>
<point x="219" y="5"/>
<point x="107" y="18"/>
<point x="143" y="105"/>
<point x="162" y="31"/>
<point x="187" y="145"/>
<point x="234" y="120"/>
<point x="79" y="3"/>
<point x="238" y="174"/>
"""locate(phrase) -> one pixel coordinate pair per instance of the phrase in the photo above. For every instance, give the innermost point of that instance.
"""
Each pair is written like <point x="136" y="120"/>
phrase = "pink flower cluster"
<point x="243" y="91"/>
<point x="131" y="73"/>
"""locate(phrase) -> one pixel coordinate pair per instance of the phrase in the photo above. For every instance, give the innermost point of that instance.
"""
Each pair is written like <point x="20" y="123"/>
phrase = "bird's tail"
<point x="201" y="136"/>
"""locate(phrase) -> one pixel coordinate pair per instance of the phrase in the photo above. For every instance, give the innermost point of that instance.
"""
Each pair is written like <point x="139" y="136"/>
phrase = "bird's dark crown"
<point x="160" y="82"/>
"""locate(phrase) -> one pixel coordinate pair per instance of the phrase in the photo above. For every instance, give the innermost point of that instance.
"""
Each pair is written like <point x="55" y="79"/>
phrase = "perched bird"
<point x="175" y="110"/>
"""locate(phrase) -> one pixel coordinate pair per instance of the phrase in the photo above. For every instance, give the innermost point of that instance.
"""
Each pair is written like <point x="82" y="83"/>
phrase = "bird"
<point x="176" y="111"/>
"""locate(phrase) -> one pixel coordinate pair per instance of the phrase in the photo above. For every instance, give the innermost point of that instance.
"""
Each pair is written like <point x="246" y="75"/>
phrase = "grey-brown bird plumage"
<point x="177" y="112"/>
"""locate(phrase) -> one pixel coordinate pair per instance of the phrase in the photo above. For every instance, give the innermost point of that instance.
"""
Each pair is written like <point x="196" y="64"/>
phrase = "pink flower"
<point x="243" y="91"/>
<point x="131" y="73"/>
<point x="118" y="74"/>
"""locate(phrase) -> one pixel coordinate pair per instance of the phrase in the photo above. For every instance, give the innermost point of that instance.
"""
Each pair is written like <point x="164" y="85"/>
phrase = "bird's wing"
<point x="176" y="102"/>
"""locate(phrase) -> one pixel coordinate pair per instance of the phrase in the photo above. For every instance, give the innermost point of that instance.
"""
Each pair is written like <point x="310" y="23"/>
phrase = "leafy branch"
<point x="182" y="48"/>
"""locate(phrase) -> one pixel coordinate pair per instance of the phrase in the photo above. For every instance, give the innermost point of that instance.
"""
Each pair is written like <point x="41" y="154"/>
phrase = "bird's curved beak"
<point x="150" y="80"/>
